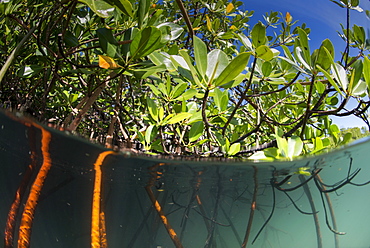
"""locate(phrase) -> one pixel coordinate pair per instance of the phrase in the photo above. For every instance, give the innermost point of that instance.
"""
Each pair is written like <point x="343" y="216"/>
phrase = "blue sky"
<point x="323" y="17"/>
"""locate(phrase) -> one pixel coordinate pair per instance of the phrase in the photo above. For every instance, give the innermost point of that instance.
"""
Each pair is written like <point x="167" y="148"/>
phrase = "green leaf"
<point x="356" y="86"/>
<point x="140" y="136"/>
<point x="162" y="87"/>
<point x="108" y="43"/>
<point x="235" y="82"/>
<point x="179" y="117"/>
<point x="282" y="145"/>
<point x="366" y="71"/>
<point x="322" y="57"/>
<point x="29" y="71"/>
<point x="153" y="109"/>
<point x="359" y="88"/>
<point x="357" y="70"/>
<point x="334" y="128"/>
<point x="224" y="100"/>
<point x="175" y="30"/>
<point x="277" y="81"/>
<point x="318" y="144"/>
<point x="217" y="62"/>
<point x="178" y="90"/>
<point x="149" y="134"/>
<point x="72" y="98"/>
<point x="359" y="34"/>
<point x="294" y="64"/>
<point x="225" y="36"/>
<point x="173" y="50"/>
<point x="154" y="89"/>
<point x="300" y="57"/>
<point x="123" y="5"/>
<point x="185" y="57"/>
<point x="340" y="74"/>
<point x="266" y="68"/>
<point x="157" y="58"/>
<point x="70" y="39"/>
<point x="271" y="152"/>
<point x="234" y="149"/>
<point x="196" y="130"/>
<point x="200" y="54"/>
<point x="127" y="36"/>
<point x="183" y="61"/>
<point x="275" y="52"/>
<point x="160" y="114"/>
<point x="326" y="142"/>
<point x="99" y="7"/>
<point x="221" y="99"/>
<point x="331" y="81"/>
<point x="224" y="142"/>
<point x="143" y="12"/>
<point x="245" y="41"/>
<point x="258" y="34"/>
<point x="146" y="72"/>
<point x="162" y="58"/>
<point x="187" y="95"/>
<point x="217" y="97"/>
<point x="303" y="43"/>
<point x="320" y="87"/>
<point x="340" y="4"/>
<point x="295" y="146"/>
<point x="260" y="155"/>
<point x="354" y="3"/>
<point x="347" y="138"/>
<point x="197" y="116"/>
<point x="145" y="42"/>
<point x="264" y="52"/>
<point x="287" y="52"/>
<point x="333" y="100"/>
<point x="236" y="66"/>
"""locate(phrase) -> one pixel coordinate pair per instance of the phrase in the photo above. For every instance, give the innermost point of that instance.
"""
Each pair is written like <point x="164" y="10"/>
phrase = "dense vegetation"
<point x="184" y="77"/>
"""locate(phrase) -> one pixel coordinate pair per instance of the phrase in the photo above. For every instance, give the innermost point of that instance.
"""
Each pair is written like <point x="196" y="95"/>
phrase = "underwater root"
<point x="324" y="190"/>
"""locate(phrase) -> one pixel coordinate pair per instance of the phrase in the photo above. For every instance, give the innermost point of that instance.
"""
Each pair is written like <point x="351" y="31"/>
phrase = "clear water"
<point x="207" y="204"/>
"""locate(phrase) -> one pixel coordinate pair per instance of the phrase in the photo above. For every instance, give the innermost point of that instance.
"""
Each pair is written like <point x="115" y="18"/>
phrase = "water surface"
<point x="163" y="203"/>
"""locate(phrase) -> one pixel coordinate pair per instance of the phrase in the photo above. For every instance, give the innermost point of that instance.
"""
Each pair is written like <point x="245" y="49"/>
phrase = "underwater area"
<point x="58" y="190"/>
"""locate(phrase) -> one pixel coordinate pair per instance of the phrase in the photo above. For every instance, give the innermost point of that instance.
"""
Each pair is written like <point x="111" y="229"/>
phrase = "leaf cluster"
<point x="184" y="77"/>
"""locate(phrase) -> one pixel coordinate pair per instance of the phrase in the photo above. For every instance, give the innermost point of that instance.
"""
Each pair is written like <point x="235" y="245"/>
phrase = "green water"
<point x="207" y="204"/>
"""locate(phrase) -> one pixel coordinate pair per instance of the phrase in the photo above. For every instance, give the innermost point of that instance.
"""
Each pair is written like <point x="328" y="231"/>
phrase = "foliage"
<point x="354" y="132"/>
<point x="189" y="77"/>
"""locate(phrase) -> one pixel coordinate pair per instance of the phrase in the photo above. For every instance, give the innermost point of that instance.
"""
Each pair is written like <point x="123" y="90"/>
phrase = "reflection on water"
<point x="59" y="191"/>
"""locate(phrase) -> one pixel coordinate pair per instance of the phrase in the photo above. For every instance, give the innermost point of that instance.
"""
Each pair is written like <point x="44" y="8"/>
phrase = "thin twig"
<point x="308" y="112"/>
<point x="241" y="98"/>
<point x="87" y="106"/>
<point x="276" y="91"/>
<point x="186" y="17"/>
